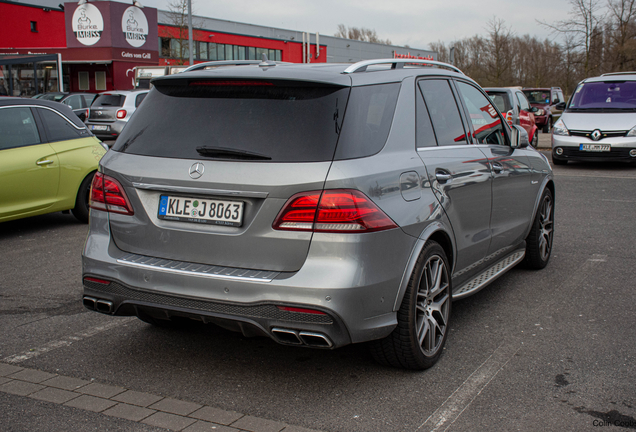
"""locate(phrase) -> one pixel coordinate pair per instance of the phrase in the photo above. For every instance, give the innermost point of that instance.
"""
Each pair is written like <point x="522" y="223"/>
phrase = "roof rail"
<point x="199" y="66"/>
<point x="361" y="66"/>
<point x="619" y="73"/>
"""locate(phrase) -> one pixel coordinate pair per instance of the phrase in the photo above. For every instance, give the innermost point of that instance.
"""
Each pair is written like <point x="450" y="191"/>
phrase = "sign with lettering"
<point x="87" y="24"/>
<point x="134" y="25"/>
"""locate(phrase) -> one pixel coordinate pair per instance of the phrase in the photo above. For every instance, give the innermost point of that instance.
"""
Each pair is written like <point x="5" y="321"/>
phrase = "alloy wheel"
<point x="433" y="305"/>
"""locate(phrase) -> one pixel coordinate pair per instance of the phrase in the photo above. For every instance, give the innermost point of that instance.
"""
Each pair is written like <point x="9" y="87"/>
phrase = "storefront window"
<point x="100" y="80"/>
<point x="203" y="50"/>
<point x="83" y="81"/>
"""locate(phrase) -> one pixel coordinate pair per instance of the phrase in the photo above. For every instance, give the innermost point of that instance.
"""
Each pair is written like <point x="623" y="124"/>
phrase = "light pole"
<point x="190" y="33"/>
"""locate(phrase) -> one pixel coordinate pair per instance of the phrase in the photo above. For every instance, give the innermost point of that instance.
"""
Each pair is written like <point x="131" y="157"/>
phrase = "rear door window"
<point x="367" y="121"/>
<point x="443" y="111"/>
<point x="109" y="100"/>
<point x="18" y="128"/>
<point x="57" y="127"/>
<point x="139" y="99"/>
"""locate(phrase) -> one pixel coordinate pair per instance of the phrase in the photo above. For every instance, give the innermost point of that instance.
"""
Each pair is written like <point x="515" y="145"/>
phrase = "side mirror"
<point x="518" y="137"/>
<point x="560" y="106"/>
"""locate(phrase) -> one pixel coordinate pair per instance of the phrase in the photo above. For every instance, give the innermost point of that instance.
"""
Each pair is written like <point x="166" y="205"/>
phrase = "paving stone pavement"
<point x="167" y="413"/>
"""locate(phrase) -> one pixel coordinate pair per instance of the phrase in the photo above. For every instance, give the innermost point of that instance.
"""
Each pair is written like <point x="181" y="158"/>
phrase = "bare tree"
<point x="500" y="54"/>
<point x="582" y="27"/>
<point x="178" y="18"/>
<point x="363" y="34"/>
<point x="622" y="33"/>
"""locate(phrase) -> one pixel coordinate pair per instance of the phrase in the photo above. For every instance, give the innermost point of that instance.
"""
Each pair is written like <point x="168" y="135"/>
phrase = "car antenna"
<point x="265" y="63"/>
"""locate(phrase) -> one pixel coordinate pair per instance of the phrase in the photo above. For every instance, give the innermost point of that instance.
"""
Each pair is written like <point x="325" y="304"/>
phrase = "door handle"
<point x="44" y="162"/>
<point x="443" y="176"/>
<point x="497" y="167"/>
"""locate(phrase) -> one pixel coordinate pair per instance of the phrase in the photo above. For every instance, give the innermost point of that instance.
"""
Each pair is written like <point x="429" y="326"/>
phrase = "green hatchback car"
<point x="47" y="159"/>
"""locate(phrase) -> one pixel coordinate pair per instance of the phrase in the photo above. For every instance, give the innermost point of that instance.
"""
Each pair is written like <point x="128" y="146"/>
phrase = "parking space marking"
<point x="466" y="393"/>
<point x="63" y="342"/>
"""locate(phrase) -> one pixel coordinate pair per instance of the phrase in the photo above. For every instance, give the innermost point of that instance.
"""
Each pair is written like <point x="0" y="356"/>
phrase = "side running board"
<point x="489" y="275"/>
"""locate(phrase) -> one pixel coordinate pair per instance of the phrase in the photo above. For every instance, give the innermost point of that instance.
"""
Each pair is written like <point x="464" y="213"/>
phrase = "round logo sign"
<point x="135" y="26"/>
<point x="88" y="24"/>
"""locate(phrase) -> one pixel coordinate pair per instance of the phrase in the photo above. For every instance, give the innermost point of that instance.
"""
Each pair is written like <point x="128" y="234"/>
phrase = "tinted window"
<point x="57" y="127"/>
<point x="605" y="95"/>
<point x="367" y="121"/>
<point x="424" y="135"/>
<point x="75" y="101"/>
<point x="523" y="102"/>
<point x="18" y="128"/>
<point x="140" y="98"/>
<point x="287" y="124"/>
<point x="538" y="96"/>
<point x="109" y="100"/>
<point x="443" y="111"/>
<point x="501" y="101"/>
<point x="487" y="125"/>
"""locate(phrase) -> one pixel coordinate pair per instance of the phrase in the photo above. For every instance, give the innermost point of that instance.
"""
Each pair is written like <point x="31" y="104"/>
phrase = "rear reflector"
<point x="99" y="281"/>
<point x="107" y="194"/>
<point x="338" y="210"/>
<point x="301" y="310"/>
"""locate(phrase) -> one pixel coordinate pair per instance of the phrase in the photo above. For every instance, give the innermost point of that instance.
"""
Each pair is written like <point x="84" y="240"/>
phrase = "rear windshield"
<point x="109" y="100"/>
<point x="268" y="122"/>
<point x="538" y="96"/>
<point x="501" y="101"/>
<point x="604" y="96"/>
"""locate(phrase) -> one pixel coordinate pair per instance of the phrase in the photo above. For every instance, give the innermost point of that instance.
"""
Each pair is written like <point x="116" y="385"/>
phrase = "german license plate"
<point x="198" y="210"/>
<point x="595" y="147"/>
<point x="99" y="128"/>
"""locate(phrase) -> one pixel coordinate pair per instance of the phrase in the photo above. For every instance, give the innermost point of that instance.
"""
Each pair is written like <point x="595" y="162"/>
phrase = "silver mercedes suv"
<point x="317" y="204"/>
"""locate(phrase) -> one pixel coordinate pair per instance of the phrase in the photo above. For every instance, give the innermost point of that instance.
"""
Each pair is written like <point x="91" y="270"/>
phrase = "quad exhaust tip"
<point x="296" y="337"/>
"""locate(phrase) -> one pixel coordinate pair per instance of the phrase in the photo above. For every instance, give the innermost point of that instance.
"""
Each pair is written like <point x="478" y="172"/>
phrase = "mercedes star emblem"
<point x="596" y="135"/>
<point x="196" y="170"/>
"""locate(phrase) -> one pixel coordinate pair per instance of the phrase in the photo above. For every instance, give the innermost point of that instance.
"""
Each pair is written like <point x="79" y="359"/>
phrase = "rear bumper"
<point x="113" y="128"/>
<point x="351" y="281"/>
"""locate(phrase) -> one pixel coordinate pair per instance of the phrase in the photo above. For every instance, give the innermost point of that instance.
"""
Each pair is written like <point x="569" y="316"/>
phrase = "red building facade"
<point x="101" y="42"/>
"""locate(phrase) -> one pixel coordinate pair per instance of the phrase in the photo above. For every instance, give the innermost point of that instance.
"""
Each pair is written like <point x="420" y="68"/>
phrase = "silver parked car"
<point x="317" y="204"/>
<point x="110" y="112"/>
<point x="599" y="122"/>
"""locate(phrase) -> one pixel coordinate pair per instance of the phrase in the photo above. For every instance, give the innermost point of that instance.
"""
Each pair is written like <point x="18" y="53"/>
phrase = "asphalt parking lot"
<point x="536" y="350"/>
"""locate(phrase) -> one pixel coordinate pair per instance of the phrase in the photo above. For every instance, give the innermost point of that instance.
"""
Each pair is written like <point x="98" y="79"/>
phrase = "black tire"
<point x="559" y="161"/>
<point x="414" y="343"/>
<point x="548" y="125"/>
<point x="539" y="241"/>
<point x="81" y="210"/>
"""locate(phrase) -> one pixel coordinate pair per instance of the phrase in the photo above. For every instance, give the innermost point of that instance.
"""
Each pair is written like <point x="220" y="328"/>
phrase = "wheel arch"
<point x="548" y="183"/>
<point x="437" y="232"/>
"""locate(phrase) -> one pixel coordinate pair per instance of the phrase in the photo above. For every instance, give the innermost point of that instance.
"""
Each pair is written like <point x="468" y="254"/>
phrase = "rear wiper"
<point x="228" y="153"/>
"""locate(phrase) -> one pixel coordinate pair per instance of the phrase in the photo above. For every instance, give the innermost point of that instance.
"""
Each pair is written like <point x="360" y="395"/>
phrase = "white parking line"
<point x="456" y="404"/>
<point x="63" y="342"/>
<point x="461" y="398"/>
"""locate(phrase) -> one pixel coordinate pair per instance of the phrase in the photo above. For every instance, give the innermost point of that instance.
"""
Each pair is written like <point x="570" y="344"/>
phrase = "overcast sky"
<point x="416" y="23"/>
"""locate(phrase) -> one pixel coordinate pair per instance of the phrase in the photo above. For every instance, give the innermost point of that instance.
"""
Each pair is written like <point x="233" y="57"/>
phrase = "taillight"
<point x="338" y="210"/>
<point x="88" y="111"/>
<point x="509" y="117"/>
<point x="121" y="114"/>
<point x="107" y="194"/>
